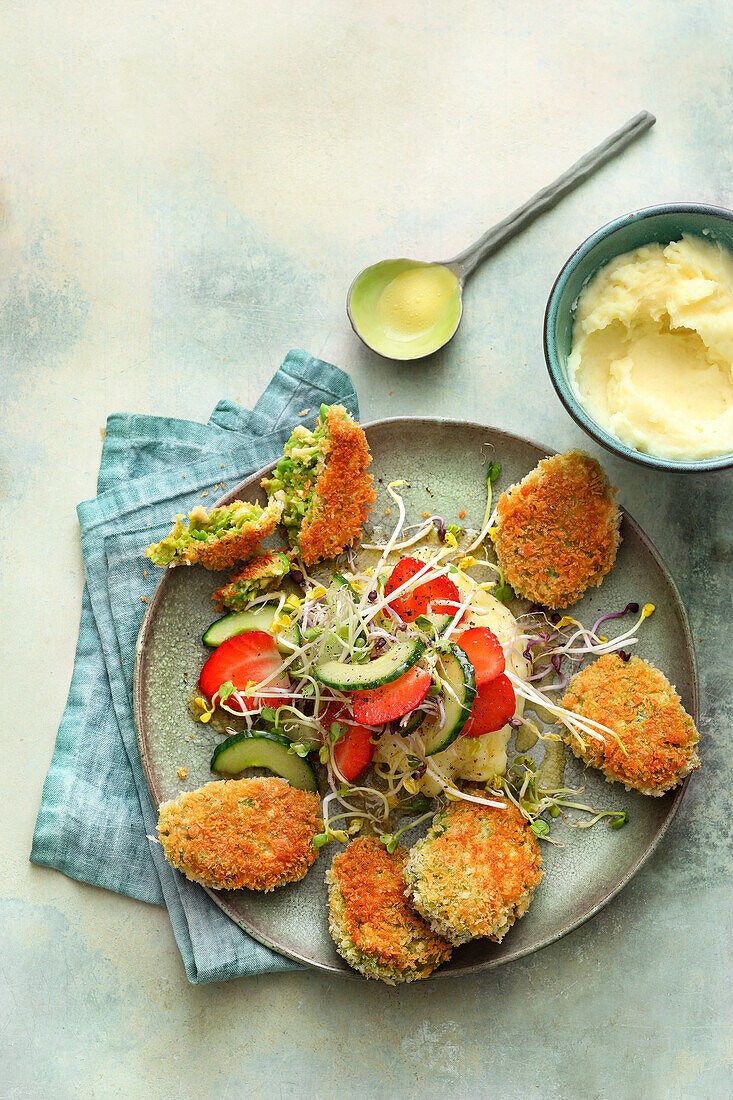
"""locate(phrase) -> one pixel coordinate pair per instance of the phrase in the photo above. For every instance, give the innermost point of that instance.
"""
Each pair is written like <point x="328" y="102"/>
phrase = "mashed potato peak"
<point x="652" y="352"/>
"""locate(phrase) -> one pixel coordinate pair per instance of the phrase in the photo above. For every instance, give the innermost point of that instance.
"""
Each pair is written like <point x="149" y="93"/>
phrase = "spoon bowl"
<point x="406" y="309"/>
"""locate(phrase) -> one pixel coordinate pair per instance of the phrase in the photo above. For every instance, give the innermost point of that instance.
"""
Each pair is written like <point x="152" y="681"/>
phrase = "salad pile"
<point x="375" y="674"/>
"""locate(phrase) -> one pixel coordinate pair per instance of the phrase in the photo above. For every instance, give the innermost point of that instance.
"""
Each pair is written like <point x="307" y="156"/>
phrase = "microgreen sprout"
<point x="492" y="473"/>
<point x="391" y="840"/>
<point x="525" y="786"/>
<point x="225" y="690"/>
<point x="300" y="748"/>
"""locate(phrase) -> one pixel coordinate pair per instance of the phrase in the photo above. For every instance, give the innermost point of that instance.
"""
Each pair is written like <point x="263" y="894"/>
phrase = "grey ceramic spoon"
<point x="465" y="262"/>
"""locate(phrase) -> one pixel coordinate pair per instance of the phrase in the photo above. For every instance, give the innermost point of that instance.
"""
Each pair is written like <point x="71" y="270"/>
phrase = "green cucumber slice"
<point x="432" y="624"/>
<point x="288" y="726"/>
<point x="339" y="581"/>
<point x="413" y="723"/>
<point x="383" y="670"/>
<point x="457" y="671"/>
<point x="239" y="622"/>
<point x="263" y="750"/>
<point x="332" y="649"/>
<point x="287" y="641"/>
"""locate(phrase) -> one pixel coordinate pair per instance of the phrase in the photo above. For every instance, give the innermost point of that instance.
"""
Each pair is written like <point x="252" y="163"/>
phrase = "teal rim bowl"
<point x="653" y="224"/>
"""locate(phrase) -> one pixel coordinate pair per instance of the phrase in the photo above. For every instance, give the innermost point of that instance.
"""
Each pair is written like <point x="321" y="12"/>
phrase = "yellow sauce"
<point x="415" y="301"/>
<point x="405" y="309"/>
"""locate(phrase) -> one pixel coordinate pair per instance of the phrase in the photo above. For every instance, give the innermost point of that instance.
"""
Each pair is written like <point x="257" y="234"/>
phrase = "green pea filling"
<point x="203" y="526"/>
<point x="238" y="593"/>
<point x="294" y="477"/>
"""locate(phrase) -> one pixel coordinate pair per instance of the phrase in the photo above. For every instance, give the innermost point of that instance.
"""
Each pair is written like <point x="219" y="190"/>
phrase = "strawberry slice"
<point x="485" y="653"/>
<point x="383" y="704"/>
<point x="245" y="658"/>
<point x="354" y="749"/>
<point x="492" y="708"/>
<point x="439" y="595"/>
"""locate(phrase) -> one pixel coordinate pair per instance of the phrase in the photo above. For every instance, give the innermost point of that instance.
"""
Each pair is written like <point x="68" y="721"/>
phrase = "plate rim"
<point x="520" y="952"/>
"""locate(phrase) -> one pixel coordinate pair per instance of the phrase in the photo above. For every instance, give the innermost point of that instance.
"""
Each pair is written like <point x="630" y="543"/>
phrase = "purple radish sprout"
<point x="630" y="607"/>
<point x="397" y="618"/>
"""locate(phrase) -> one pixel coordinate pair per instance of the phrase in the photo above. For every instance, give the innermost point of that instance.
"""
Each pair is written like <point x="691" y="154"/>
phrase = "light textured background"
<point x="186" y="191"/>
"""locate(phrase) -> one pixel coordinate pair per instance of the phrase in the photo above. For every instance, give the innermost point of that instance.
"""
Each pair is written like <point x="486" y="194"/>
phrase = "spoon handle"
<point x="547" y="198"/>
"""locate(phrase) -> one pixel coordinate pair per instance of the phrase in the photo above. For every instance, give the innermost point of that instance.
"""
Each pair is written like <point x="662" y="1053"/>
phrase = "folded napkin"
<point x="96" y="812"/>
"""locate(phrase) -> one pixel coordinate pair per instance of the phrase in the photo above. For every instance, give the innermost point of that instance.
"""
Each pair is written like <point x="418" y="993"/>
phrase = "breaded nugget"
<point x="323" y="485"/>
<point x="256" y="833"/>
<point x="638" y="703"/>
<point x="475" y="872"/>
<point x="262" y="572"/>
<point x="558" y="530"/>
<point x="219" y="538"/>
<point x="373" y="925"/>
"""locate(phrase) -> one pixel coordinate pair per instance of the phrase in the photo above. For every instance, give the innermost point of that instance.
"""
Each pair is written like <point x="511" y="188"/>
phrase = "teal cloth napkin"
<point x="96" y="812"/>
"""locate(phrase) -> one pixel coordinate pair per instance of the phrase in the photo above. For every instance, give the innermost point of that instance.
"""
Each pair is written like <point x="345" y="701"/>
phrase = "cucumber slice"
<point x="332" y="649"/>
<point x="456" y="670"/>
<point x="287" y="641"/>
<point x="287" y="726"/>
<point x="338" y="581"/>
<point x="239" y="622"/>
<point x="413" y="723"/>
<point x="432" y="624"/>
<point x="383" y="670"/>
<point x="263" y="750"/>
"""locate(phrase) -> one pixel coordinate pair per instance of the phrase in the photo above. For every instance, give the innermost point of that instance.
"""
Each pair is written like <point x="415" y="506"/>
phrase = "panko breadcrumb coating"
<point x="323" y="485"/>
<point x="262" y="572"/>
<point x="639" y="704"/>
<point x="475" y="872"/>
<point x="256" y="833"/>
<point x="219" y="538"/>
<point x="558" y="530"/>
<point x="373" y="925"/>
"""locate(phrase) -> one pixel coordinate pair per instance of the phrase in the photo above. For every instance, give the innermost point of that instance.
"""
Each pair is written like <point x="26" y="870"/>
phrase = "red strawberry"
<point x="392" y="700"/>
<point x="485" y="653"/>
<point x="493" y="706"/>
<point x="354" y="749"/>
<point x="439" y="595"/>
<point x="245" y="658"/>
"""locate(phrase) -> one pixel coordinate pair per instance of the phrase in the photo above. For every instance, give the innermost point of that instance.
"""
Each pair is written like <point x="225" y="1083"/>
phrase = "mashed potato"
<point x="652" y="352"/>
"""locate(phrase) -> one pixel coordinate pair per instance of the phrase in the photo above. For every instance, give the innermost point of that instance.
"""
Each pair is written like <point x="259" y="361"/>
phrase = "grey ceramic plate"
<point x="444" y="463"/>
